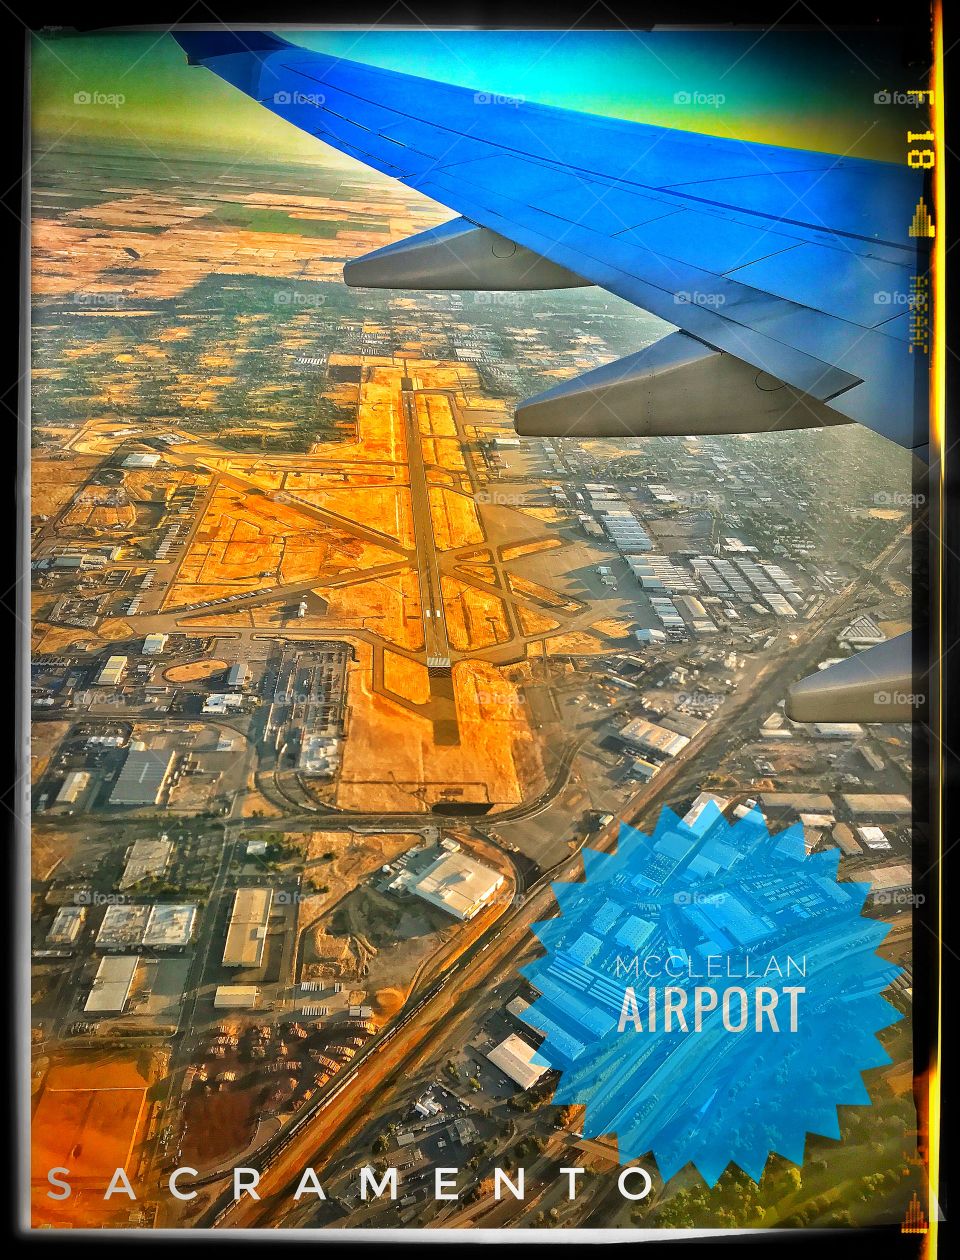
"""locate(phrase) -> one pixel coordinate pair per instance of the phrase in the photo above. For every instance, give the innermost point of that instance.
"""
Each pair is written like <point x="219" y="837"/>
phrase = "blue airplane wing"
<point x="791" y="276"/>
<point x="789" y="273"/>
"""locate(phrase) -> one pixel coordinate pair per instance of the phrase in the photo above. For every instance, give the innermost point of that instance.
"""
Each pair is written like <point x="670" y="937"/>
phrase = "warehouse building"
<point x="796" y="803"/>
<point x="649" y="737"/>
<point x="111" y="673"/>
<point x="458" y="885"/>
<point x="247" y="930"/>
<point x="888" y="883"/>
<point x="878" y="806"/>
<point x="146" y="859"/>
<point x="699" y="805"/>
<point x="123" y="926"/>
<point x="236" y="997"/>
<point x="67" y="925"/>
<point x="238" y="675"/>
<point x="154" y="644"/>
<point x="143" y="777"/>
<point x="874" y="838"/>
<point x="514" y="1057"/>
<point x="846" y="840"/>
<point x="111" y="985"/>
<point x="221" y="702"/>
<point x="73" y="787"/>
<point x="170" y="927"/>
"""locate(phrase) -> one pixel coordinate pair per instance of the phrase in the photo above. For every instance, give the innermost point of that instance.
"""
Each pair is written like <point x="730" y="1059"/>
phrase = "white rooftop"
<point x="112" y="984"/>
<point x="514" y="1058"/>
<point x="458" y="884"/>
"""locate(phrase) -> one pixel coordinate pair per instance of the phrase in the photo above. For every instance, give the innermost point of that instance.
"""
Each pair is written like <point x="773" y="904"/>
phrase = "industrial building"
<point x="142" y="459"/>
<point x="154" y="644"/>
<point x="514" y="1057"/>
<point x="657" y="573"/>
<point x="874" y="838"/>
<point x="146" y="859"/>
<point x="247" y="930"/>
<point x="222" y="702"/>
<point x="845" y="839"/>
<point x="879" y="806"/>
<point x="111" y="673"/>
<point x="128" y="926"/>
<point x="143" y="777"/>
<point x="458" y="885"/>
<point x="236" y="997"/>
<point x="888" y="882"/>
<point x="625" y="532"/>
<point x="862" y="632"/>
<point x="67" y="925"/>
<point x="123" y="926"/>
<point x="73" y="787"/>
<point x="238" y="675"/>
<point x="796" y="803"/>
<point x="111" y="985"/>
<point x="170" y="927"/>
<point x="700" y="803"/>
<point x="650" y="737"/>
<point x="518" y="1007"/>
<point x="837" y="730"/>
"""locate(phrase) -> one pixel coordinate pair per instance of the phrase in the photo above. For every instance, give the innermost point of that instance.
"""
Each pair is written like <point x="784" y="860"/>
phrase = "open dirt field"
<point x="475" y="619"/>
<point x="195" y="671"/>
<point x="455" y="519"/>
<point x="89" y="1117"/>
<point x="392" y="763"/>
<point x="406" y="678"/>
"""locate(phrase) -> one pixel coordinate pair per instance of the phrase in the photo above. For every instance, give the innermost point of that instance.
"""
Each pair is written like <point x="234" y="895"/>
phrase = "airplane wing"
<point x="789" y="274"/>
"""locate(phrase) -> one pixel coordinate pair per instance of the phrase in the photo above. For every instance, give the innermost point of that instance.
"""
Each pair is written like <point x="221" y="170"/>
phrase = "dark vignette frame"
<point x="936" y="809"/>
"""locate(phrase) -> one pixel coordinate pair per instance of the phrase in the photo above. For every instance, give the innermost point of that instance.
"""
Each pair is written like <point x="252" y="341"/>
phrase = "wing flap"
<point x="833" y="281"/>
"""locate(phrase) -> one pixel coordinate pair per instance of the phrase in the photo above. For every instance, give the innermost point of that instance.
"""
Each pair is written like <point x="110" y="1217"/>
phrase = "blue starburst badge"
<point x="711" y="993"/>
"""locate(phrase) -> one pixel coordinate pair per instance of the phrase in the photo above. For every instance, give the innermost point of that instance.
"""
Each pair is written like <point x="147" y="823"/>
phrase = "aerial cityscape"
<point x="332" y="674"/>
